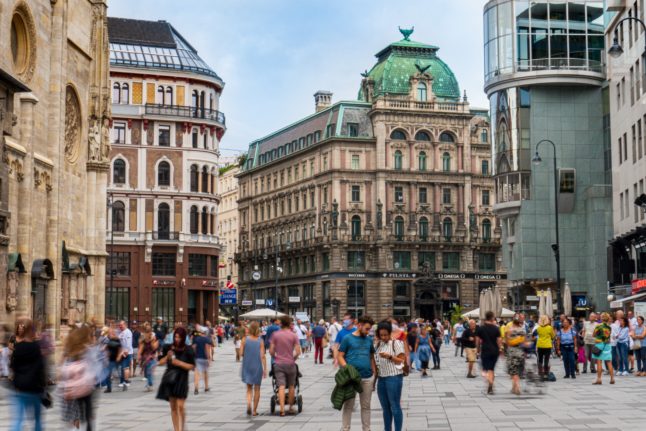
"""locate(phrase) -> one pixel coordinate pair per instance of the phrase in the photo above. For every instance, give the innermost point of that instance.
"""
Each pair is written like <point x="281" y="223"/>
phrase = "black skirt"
<point x="174" y="383"/>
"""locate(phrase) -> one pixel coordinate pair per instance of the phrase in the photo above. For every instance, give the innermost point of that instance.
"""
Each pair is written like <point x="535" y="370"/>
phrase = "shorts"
<point x="135" y="353"/>
<point x="238" y="344"/>
<point x="285" y="374"/>
<point x="125" y="362"/>
<point x="472" y="355"/>
<point x="489" y="362"/>
<point x="201" y="365"/>
<point x="303" y="343"/>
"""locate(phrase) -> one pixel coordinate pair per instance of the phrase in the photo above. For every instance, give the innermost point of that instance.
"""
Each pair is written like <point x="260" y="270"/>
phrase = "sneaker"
<point x="144" y="379"/>
<point x="121" y="385"/>
<point x="470" y="376"/>
<point x="107" y="391"/>
<point x="626" y="373"/>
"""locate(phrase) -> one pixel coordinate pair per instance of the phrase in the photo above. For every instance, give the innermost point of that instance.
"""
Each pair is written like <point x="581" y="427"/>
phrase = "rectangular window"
<point x="356" y="260"/>
<point x="632" y="86"/>
<point x="639" y="139"/>
<point x="487" y="262"/>
<point x="311" y="168"/>
<point x="402" y="289"/>
<point x="426" y="259"/>
<point x="296" y="172"/>
<point x="197" y="265"/>
<point x="164" y="264"/>
<point x="451" y="261"/>
<point x="446" y="196"/>
<point x="423" y="195"/>
<point x="621" y="206"/>
<point x="164" y="304"/>
<point x="399" y="194"/>
<point x="213" y="262"/>
<point x="567" y="181"/>
<point x="164" y="136"/>
<point x="325" y="195"/>
<point x="325" y="257"/>
<point x="620" y="150"/>
<point x="356" y="193"/>
<point x="355" y="162"/>
<point x="485" y="197"/>
<point x="353" y="130"/>
<point x="625" y="146"/>
<point x="401" y="260"/>
<point x="636" y="208"/>
<point x="325" y="163"/>
<point x="118" y="264"/>
<point x="618" y="96"/>
<point x="330" y="130"/>
<point x="626" y="203"/>
<point x="117" y="303"/>
<point x="119" y="133"/>
<point x="485" y="167"/>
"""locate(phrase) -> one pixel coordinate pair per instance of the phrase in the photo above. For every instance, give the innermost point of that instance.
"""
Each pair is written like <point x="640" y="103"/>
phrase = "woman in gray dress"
<point x="515" y="338"/>
<point x="254" y="366"/>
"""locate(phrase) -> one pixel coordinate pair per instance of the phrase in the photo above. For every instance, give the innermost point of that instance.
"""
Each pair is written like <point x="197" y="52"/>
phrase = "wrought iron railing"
<point x="186" y="111"/>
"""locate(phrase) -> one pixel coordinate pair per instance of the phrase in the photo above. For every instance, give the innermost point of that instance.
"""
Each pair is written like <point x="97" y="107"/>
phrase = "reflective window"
<point x="398" y="134"/>
<point x="422" y="136"/>
<point x="423" y="229"/>
<point x="398" y="160"/>
<point x="422" y="161"/>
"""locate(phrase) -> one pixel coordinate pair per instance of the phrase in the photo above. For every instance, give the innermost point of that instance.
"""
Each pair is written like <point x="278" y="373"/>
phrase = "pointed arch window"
<point x="194" y="178"/>
<point x="422" y="160"/>
<point x="399" y="228"/>
<point x="421" y="92"/>
<point x="447" y="229"/>
<point x="423" y="229"/>
<point x="163" y="174"/>
<point x="125" y="93"/>
<point x="119" y="172"/>
<point x="398" y="160"/>
<point x="486" y="230"/>
<point x="163" y="221"/>
<point x="118" y="217"/>
<point x="356" y="228"/>
<point x="446" y="162"/>
<point x="194" y="220"/>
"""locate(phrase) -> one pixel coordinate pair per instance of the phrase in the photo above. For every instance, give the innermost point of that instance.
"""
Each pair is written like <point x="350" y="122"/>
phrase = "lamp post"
<point x="616" y="49"/>
<point x="555" y="247"/>
<point x="358" y="262"/>
<point x="110" y="204"/>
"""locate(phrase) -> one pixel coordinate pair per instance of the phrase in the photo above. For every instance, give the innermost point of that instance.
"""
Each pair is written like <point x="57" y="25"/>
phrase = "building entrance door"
<point x="38" y="300"/>
<point x="428" y="302"/>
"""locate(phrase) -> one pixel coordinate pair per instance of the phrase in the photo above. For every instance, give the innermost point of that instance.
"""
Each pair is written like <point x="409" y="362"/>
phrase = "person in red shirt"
<point x="285" y="349"/>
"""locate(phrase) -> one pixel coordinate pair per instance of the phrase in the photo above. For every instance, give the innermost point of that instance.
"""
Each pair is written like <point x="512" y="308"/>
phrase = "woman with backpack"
<point x="179" y="360"/>
<point x="567" y="347"/>
<point x="390" y="357"/>
<point x="28" y="375"/>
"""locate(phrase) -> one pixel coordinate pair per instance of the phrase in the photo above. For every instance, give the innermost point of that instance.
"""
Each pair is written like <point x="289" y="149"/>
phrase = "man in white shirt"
<point x="301" y="332"/>
<point x="589" y="341"/>
<point x="458" y="329"/>
<point x="125" y="337"/>
<point x="613" y="338"/>
<point x="332" y="332"/>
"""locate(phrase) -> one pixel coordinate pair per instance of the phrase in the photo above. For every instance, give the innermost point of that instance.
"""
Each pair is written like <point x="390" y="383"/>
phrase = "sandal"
<point x="281" y="414"/>
<point x="612" y="382"/>
<point x="598" y="382"/>
<point x="248" y="411"/>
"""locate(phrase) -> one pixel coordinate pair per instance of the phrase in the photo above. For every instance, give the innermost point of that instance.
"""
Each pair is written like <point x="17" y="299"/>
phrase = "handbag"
<point x="637" y="344"/>
<point x="597" y="351"/>
<point x="46" y="400"/>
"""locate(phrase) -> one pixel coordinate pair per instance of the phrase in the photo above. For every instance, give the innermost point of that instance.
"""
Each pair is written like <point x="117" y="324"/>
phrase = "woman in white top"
<point x="390" y="357"/>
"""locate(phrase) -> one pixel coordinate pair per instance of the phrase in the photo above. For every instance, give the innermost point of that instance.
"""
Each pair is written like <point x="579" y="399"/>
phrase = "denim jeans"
<point x="24" y="401"/>
<point x="389" y="391"/>
<point x="640" y="357"/>
<point x="447" y="339"/>
<point x="149" y="371"/>
<point x="569" y="363"/>
<point x="436" y="356"/>
<point x="622" y="356"/>
<point x="615" y="358"/>
<point x="414" y="361"/>
<point x="112" y="365"/>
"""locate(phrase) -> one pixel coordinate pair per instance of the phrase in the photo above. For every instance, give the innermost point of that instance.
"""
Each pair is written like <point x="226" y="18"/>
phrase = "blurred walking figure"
<point x="603" y="350"/>
<point x="319" y="333"/>
<point x="28" y="375"/>
<point x="254" y="366"/>
<point x="125" y="336"/>
<point x="202" y="345"/>
<point x="78" y="378"/>
<point x="113" y="352"/>
<point x="148" y="346"/>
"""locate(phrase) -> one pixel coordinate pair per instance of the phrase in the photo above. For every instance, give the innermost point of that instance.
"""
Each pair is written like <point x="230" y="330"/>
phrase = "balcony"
<point x="414" y="105"/>
<point x="163" y="235"/>
<point x="185" y="112"/>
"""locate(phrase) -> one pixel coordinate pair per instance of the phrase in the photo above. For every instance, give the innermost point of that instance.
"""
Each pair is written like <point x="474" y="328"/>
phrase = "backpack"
<point x="79" y="379"/>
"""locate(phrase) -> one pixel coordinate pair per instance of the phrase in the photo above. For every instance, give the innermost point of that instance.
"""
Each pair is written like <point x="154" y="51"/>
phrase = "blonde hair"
<point x="254" y="329"/>
<point x="77" y="341"/>
<point x="544" y="320"/>
<point x="605" y="317"/>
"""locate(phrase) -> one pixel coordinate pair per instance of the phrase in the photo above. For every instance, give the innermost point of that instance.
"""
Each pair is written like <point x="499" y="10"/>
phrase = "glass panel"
<point x="577" y="47"/>
<point x="490" y="20"/>
<point x="504" y="19"/>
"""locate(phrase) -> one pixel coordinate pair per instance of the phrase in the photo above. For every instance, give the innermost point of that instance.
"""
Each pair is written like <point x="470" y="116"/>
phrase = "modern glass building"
<point x="544" y="76"/>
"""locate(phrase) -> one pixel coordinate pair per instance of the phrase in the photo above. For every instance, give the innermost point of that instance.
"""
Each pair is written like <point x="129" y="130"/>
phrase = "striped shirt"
<point x="386" y="367"/>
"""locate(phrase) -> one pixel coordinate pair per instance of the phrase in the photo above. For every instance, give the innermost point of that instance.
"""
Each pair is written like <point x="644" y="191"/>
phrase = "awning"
<point x="42" y="268"/>
<point x="14" y="263"/>
<point x="620" y="302"/>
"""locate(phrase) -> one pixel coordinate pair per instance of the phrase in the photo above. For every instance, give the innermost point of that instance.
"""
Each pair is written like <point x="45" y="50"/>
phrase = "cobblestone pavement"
<point x="445" y="401"/>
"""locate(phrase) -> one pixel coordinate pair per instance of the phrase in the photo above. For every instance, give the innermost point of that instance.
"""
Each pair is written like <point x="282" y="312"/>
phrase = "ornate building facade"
<point x="379" y="206"/>
<point x="56" y="155"/>
<point x="228" y="223"/>
<point x="163" y="198"/>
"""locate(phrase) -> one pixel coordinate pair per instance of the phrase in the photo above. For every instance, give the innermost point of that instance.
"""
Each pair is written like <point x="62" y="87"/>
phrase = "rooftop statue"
<point x="406" y="32"/>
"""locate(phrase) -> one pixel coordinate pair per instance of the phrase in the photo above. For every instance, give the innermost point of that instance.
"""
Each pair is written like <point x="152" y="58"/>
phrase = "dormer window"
<point x="421" y="92"/>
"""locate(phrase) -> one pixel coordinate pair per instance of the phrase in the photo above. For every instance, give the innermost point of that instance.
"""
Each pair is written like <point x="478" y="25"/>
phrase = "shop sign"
<point x="209" y="283"/>
<point x="640" y="309"/>
<point x="638" y="285"/>
<point x="247" y="303"/>
<point x="163" y="282"/>
<point x="294" y="299"/>
<point x="399" y="275"/>
<point x="260" y="302"/>
<point x="228" y="297"/>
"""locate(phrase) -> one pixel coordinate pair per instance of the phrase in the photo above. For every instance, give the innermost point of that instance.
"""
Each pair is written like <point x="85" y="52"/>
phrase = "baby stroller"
<point x="297" y="391"/>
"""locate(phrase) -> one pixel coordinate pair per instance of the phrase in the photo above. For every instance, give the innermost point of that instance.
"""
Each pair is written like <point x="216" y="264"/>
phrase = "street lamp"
<point x="555" y="247"/>
<point x="358" y="262"/>
<point x="110" y="204"/>
<point x="616" y="49"/>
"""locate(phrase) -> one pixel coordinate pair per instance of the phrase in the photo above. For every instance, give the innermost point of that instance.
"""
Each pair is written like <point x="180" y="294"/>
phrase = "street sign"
<point x="260" y="302"/>
<point x="256" y="275"/>
<point x="294" y="299"/>
<point x="269" y="302"/>
<point x="247" y="302"/>
<point x="228" y="297"/>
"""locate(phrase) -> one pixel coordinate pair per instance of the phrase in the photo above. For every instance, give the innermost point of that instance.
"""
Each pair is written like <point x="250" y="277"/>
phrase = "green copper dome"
<point x="400" y="60"/>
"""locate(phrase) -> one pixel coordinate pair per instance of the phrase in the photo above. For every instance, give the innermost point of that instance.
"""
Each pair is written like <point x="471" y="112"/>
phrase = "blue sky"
<point x="274" y="54"/>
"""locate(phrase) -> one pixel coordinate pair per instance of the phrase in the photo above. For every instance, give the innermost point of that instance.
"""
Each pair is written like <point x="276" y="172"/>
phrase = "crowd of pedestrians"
<point x="370" y="356"/>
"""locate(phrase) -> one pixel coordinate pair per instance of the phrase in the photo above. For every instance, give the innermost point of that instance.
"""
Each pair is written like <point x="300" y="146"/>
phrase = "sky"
<point x="273" y="55"/>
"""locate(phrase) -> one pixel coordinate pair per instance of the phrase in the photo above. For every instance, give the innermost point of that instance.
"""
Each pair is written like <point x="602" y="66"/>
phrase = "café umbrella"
<point x="567" y="299"/>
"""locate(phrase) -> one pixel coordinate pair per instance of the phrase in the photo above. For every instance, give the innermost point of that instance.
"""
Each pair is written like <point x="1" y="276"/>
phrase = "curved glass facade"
<point x="526" y="35"/>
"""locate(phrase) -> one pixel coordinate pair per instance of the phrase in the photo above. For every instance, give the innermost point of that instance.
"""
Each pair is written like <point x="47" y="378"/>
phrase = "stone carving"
<point x="105" y="140"/>
<point x="12" y="298"/>
<point x="335" y="213"/>
<point x="94" y="143"/>
<point x="380" y="213"/>
<point x="72" y="125"/>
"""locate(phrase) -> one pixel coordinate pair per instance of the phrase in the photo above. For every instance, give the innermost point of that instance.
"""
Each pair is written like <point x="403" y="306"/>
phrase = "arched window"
<point x="447" y="229"/>
<point x="423" y="229"/>
<point x="398" y="134"/>
<point x="163" y="174"/>
<point x="486" y="230"/>
<point x="195" y="138"/>
<point x="205" y="180"/>
<point x="125" y="93"/>
<point x="422" y="161"/>
<point x="118" y="217"/>
<point x="205" y="221"/>
<point x="116" y="93"/>
<point x="163" y="221"/>
<point x="169" y="96"/>
<point x="202" y="96"/>
<point x="194" y="178"/>
<point x="422" y="136"/>
<point x="160" y="95"/>
<point x="356" y="228"/>
<point x="446" y="162"/>
<point x="194" y="220"/>
<point x="399" y="228"/>
<point x="195" y="102"/>
<point x="421" y="92"/>
<point x="446" y="137"/>
<point x="119" y="172"/>
<point x="398" y="160"/>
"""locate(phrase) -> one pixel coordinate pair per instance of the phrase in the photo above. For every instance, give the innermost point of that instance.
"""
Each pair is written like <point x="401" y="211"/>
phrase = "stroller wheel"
<point x="272" y="404"/>
<point x="299" y="402"/>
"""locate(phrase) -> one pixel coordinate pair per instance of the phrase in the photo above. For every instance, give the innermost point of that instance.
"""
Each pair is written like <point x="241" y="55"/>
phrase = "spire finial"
<point x="465" y="96"/>
<point x="407" y="32"/>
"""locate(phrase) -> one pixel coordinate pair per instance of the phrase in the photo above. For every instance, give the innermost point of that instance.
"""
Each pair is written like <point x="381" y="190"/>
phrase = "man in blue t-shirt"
<point x="202" y="357"/>
<point x="347" y="329"/>
<point x="275" y="326"/>
<point x="358" y="350"/>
